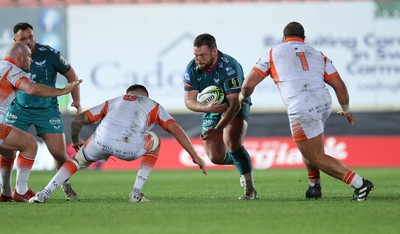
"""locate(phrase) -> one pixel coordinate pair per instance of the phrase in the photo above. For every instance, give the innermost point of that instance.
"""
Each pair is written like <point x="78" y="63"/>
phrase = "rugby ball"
<point x="211" y="94"/>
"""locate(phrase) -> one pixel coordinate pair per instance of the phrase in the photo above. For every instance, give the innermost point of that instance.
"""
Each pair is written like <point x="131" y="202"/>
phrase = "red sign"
<point x="278" y="152"/>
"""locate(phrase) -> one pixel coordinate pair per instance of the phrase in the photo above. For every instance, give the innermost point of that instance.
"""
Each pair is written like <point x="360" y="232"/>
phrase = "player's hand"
<point x="216" y="108"/>
<point x="210" y="134"/>
<point x="71" y="85"/>
<point x="199" y="161"/>
<point x="78" y="144"/>
<point x="348" y="116"/>
<point x="78" y="107"/>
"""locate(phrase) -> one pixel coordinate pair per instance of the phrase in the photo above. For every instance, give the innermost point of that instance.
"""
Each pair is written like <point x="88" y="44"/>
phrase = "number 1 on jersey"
<point x="303" y="60"/>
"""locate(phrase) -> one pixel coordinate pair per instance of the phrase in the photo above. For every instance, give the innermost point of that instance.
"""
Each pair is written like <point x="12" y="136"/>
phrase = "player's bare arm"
<point x="76" y="126"/>
<point x="38" y="89"/>
<point x="229" y="115"/>
<point x="193" y="105"/>
<point x="185" y="142"/>
<point x="343" y="97"/>
<point x="75" y="93"/>
<point x="231" y="112"/>
<point x="251" y="81"/>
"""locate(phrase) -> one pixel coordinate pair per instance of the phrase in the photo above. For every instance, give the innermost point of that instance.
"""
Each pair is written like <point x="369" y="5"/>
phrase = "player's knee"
<point x="216" y="159"/>
<point x="233" y="146"/>
<point x="80" y="161"/>
<point x="155" y="141"/>
<point x="30" y="144"/>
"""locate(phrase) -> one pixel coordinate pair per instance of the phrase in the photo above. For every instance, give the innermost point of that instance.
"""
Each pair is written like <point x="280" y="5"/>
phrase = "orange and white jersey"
<point x="300" y="72"/>
<point x="296" y="68"/>
<point x="123" y="131"/>
<point x="10" y="78"/>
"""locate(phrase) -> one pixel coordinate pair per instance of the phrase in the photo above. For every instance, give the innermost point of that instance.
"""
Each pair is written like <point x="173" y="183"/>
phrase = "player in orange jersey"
<point x="12" y="79"/>
<point x="124" y="132"/>
<point x="300" y="73"/>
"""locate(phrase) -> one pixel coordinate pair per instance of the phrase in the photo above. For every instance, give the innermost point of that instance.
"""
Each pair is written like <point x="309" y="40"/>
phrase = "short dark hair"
<point x="205" y="39"/>
<point x="137" y="87"/>
<point x="294" y="29"/>
<point x="22" y="26"/>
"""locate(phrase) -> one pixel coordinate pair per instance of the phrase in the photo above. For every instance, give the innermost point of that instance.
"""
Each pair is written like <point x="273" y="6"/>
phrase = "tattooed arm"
<point x="76" y="126"/>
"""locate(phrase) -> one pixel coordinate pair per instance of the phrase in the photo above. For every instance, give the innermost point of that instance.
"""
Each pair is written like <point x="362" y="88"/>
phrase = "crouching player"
<point x="124" y="132"/>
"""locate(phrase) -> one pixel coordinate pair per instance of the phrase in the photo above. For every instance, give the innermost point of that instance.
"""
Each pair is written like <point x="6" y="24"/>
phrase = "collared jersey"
<point x="47" y="62"/>
<point x="296" y="69"/>
<point x="227" y="74"/>
<point x="127" y="119"/>
<point x="10" y="78"/>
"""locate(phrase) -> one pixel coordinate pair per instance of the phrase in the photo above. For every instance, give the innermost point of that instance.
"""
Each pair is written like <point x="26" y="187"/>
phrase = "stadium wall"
<point x="374" y="142"/>
<point x="152" y="44"/>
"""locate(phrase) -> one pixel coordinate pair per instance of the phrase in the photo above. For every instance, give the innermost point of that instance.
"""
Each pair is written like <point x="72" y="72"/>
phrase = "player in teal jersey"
<point x="43" y="112"/>
<point x="224" y="125"/>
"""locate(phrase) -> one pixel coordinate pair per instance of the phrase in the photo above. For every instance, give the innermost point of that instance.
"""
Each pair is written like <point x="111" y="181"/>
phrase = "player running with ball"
<point x="224" y="125"/>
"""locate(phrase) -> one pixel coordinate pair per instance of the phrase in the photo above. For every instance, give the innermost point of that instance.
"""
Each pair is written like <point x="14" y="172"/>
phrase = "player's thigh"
<point x="312" y="149"/>
<point x="215" y="148"/>
<point x="15" y="139"/>
<point x="234" y="134"/>
<point x="95" y="151"/>
<point x="56" y="144"/>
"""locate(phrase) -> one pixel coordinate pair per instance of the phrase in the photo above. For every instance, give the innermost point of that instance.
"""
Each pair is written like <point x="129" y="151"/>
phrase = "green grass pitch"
<point x="189" y="202"/>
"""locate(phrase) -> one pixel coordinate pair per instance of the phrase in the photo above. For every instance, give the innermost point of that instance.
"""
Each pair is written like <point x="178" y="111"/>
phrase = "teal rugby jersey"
<point x="47" y="62"/>
<point x="227" y="74"/>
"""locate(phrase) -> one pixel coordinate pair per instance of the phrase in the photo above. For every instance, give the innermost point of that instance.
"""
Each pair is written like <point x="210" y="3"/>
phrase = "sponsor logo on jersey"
<point x="16" y="75"/>
<point x="233" y="83"/>
<point x="63" y="60"/>
<point x="41" y="63"/>
<point x="42" y="48"/>
<point x="55" y="122"/>
<point x="263" y="65"/>
<point x="230" y="71"/>
<point x="11" y="116"/>
<point x="187" y="76"/>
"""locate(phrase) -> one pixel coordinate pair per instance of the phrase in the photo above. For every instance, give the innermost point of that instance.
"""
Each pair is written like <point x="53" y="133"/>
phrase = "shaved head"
<point x="17" y="48"/>
<point x="21" y="54"/>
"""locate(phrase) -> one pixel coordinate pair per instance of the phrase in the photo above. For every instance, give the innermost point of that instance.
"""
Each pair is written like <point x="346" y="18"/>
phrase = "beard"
<point x="205" y="66"/>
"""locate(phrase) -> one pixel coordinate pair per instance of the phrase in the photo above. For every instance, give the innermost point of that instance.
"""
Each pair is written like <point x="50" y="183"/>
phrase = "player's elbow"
<point x="190" y="105"/>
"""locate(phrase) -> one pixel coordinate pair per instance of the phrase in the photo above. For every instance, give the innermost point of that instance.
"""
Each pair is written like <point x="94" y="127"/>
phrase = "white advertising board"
<point x="112" y="47"/>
